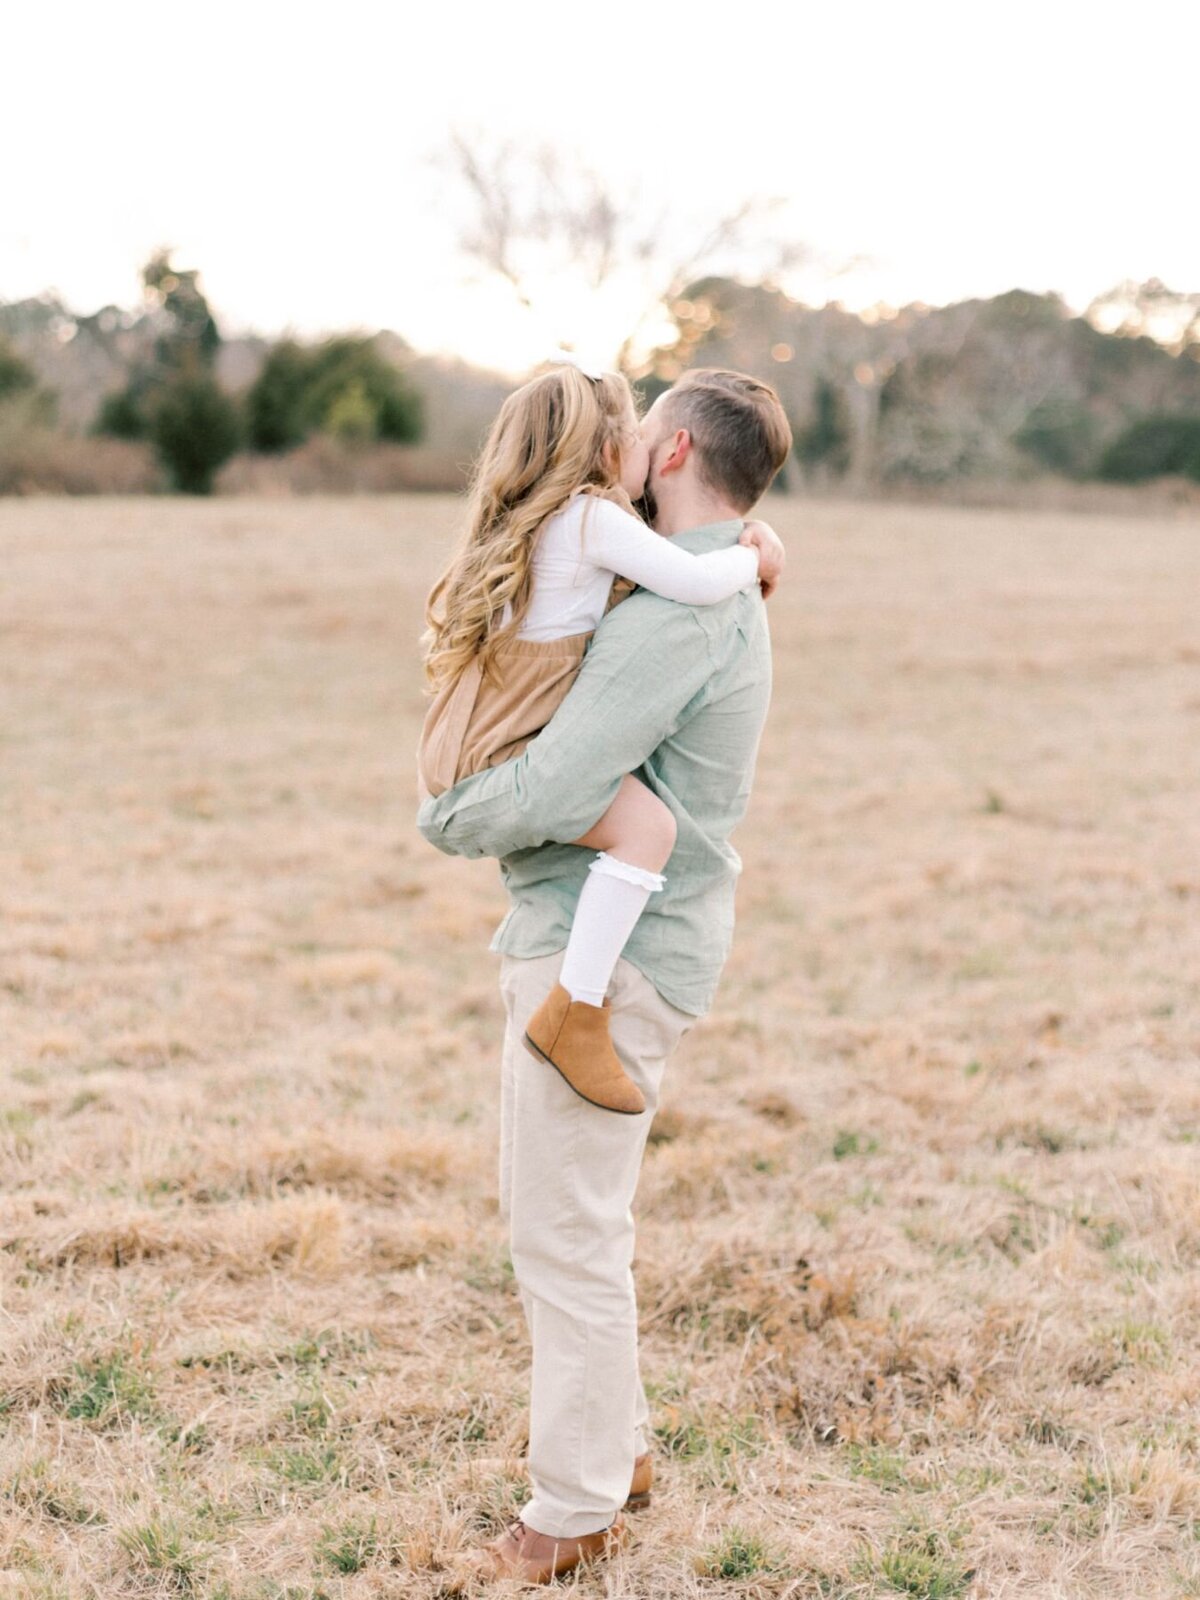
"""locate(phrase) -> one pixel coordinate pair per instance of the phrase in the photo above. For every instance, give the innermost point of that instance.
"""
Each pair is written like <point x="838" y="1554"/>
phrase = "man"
<point x="676" y="695"/>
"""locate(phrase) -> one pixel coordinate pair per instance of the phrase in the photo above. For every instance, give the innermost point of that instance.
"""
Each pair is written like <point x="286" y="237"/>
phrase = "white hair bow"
<point x="568" y="358"/>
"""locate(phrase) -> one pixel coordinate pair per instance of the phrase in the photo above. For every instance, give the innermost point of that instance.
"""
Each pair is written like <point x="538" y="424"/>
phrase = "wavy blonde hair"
<point x="548" y="441"/>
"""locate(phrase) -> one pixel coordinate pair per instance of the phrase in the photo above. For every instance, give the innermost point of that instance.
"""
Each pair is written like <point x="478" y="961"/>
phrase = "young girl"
<point x="550" y="524"/>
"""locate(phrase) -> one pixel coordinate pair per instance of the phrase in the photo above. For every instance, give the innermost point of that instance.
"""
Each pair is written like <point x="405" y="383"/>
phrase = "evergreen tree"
<point x="826" y="440"/>
<point x="194" y="428"/>
<point x="275" y="402"/>
<point x="1153" y="447"/>
<point x="16" y="375"/>
<point x="22" y="398"/>
<point x="342" y="386"/>
<point x="121" y="415"/>
<point x="174" y="399"/>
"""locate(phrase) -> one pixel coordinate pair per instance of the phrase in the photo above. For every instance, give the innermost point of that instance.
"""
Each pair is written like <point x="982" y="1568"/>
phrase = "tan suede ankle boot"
<point x="574" y="1038"/>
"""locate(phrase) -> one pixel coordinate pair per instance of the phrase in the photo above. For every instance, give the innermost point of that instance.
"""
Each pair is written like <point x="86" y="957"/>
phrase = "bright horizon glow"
<point x="286" y="155"/>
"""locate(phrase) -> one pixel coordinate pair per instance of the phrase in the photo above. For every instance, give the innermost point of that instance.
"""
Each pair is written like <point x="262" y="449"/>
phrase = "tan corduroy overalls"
<point x="473" y="723"/>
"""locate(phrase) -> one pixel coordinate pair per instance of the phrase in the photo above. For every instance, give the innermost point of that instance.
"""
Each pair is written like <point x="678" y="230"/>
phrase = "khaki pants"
<point x="568" y="1173"/>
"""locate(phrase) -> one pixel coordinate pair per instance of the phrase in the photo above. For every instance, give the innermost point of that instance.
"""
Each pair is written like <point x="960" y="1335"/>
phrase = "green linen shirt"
<point x="676" y="695"/>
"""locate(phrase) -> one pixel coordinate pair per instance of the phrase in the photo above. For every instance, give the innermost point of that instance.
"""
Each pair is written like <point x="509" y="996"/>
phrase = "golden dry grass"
<point x="919" y="1226"/>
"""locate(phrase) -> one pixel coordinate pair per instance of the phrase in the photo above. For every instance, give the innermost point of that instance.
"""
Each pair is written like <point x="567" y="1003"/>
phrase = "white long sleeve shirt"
<point x="590" y="541"/>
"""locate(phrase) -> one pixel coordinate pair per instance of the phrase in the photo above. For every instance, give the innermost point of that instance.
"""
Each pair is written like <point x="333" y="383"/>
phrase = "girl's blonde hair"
<point x="547" y="442"/>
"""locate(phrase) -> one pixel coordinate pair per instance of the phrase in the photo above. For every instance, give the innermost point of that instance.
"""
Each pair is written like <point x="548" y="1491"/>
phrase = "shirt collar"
<point x="712" y="536"/>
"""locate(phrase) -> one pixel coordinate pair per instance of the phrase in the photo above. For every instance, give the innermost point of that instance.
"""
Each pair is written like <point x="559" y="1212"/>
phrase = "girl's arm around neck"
<point x="623" y="544"/>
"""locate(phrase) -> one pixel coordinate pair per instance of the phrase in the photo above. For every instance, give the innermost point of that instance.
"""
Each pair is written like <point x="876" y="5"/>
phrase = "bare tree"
<point x="597" y="268"/>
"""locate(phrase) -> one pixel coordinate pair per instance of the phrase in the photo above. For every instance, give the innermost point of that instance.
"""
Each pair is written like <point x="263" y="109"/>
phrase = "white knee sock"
<point x="612" y="899"/>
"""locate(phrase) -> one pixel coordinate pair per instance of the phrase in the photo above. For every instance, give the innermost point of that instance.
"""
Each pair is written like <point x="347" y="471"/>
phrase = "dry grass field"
<point x="919" y="1224"/>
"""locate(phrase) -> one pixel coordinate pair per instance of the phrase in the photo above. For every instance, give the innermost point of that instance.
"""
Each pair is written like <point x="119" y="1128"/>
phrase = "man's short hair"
<point x="739" y="429"/>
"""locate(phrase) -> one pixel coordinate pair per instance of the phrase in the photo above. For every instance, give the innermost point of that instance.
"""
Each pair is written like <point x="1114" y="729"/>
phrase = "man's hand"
<point x="771" y="554"/>
<point x="610" y="723"/>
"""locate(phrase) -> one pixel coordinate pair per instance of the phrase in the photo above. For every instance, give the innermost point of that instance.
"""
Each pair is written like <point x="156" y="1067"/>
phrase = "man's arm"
<point x="648" y="660"/>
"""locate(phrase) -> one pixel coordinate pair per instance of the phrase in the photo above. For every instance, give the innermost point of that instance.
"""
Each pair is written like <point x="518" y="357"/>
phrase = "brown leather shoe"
<point x="522" y="1552"/>
<point x="515" y="1468"/>
<point x="639" y="1487"/>
<point x="574" y="1038"/>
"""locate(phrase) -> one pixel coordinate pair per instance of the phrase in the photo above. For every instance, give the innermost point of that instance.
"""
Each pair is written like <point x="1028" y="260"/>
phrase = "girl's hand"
<point x="771" y="554"/>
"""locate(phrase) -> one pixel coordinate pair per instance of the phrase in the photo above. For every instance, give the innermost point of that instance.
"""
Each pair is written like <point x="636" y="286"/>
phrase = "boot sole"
<point x="542" y="1056"/>
<point x="638" y="1502"/>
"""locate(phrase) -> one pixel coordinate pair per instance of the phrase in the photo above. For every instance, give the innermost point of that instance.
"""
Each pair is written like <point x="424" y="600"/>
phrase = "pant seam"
<point x="580" y="1410"/>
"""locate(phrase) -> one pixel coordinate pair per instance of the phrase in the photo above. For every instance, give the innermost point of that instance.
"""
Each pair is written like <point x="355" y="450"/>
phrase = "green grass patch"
<point x="327" y="1346"/>
<point x="1043" y="1427"/>
<point x="350" y="1547"/>
<point x="877" y="1465"/>
<point x="107" y="1389"/>
<point x="310" y="1415"/>
<point x="310" y="1464"/>
<point x="160" y="1549"/>
<point x="1088" y="1515"/>
<point x="36" y="1488"/>
<point x="1144" y="1344"/>
<point x="693" y="1434"/>
<point x="235" y="1362"/>
<point x="849" y="1143"/>
<point x="490" y="1272"/>
<point x="976" y="1479"/>
<point x="1105" y="1231"/>
<point x="673" y="1387"/>
<point x="1042" y="1137"/>
<point x="195" y="1440"/>
<point x="716" y="1442"/>
<point x="919" y="1561"/>
<point x="1013" y="1236"/>
<point x="1093" y="1487"/>
<point x="738" y="1554"/>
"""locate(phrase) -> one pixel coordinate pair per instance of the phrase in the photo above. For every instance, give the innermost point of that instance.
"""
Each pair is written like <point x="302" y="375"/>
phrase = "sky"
<point x="294" y="155"/>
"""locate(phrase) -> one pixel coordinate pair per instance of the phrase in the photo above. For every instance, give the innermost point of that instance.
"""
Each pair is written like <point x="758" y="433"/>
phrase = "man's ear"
<point x="681" y="447"/>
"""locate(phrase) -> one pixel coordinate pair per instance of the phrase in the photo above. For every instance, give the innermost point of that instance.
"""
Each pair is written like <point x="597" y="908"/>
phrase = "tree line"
<point x="1006" y="387"/>
<point x="341" y="386"/>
